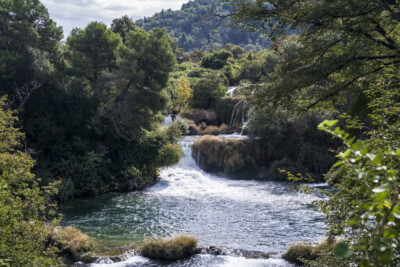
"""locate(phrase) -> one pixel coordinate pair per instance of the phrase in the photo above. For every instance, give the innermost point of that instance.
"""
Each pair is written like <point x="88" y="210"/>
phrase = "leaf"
<point x="385" y="257"/>
<point x="364" y="151"/>
<point x="342" y="250"/>
<point x="330" y="123"/>
<point x="381" y="196"/>
<point x="357" y="145"/>
<point x="345" y="154"/>
<point x="390" y="233"/>
<point x="379" y="245"/>
<point x="396" y="212"/>
<point x="382" y="188"/>
<point x="337" y="164"/>
<point x="354" y="221"/>
<point x="378" y="159"/>
<point x="398" y="152"/>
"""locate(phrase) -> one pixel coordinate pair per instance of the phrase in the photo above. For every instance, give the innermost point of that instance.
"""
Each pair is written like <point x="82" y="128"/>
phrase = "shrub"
<point x="216" y="130"/>
<point x="216" y="60"/>
<point x="182" y="123"/>
<point x="169" y="155"/>
<point x="174" y="248"/>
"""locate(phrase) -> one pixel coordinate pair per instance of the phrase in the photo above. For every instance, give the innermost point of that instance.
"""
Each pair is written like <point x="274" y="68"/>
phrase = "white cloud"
<point x="78" y="13"/>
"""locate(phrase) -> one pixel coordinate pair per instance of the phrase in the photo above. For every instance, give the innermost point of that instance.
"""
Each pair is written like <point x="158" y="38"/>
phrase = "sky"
<point x="78" y="13"/>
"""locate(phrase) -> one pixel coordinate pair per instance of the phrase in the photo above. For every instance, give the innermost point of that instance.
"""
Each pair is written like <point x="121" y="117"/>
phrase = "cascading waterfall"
<point x="234" y="215"/>
<point x="168" y="120"/>
<point x="232" y="89"/>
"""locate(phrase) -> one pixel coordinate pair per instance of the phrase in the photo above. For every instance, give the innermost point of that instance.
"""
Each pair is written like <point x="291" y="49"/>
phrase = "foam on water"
<point x="236" y="214"/>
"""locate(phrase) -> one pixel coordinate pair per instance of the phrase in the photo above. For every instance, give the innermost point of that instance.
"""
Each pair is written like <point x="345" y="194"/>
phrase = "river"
<point x="233" y="214"/>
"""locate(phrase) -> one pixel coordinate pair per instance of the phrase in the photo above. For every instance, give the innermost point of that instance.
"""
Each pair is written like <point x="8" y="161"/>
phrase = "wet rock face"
<point x="236" y="158"/>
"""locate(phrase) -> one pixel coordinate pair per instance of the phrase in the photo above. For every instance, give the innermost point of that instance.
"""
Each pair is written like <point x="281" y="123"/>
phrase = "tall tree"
<point x="144" y="66"/>
<point x="93" y="50"/>
<point x="28" y="48"/>
<point x="123" y="26"/>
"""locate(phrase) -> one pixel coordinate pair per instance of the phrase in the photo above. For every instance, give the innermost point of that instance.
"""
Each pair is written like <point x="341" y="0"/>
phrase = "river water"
<point x="233" y="214"/>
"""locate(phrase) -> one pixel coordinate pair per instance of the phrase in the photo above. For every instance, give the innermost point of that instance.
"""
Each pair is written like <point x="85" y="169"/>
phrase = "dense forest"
<point x="201" y="24"/>
<point x="84" y="117"/>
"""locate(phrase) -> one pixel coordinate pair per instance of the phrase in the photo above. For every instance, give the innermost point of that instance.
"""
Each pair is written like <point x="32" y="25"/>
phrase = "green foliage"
<point x="71" y="241"/>
<point x="92" y="50"/>
<point x="196" y="26"/>
<point x="174" y="248"/>
<point x="169" y="155"/>
<point x="340" y="48"/>
<point x="308" y="254"/>
<point x="207" y="90"/>
<point x="183" y="93"/>
<point x="25" y="209"/>
<point x="216" y="60"/>
<point x="29" y="42"/>
<point x="123" y="26"/>
<point x="84" y="105"/>
<point x="375" y="172"/>
<point x="294" y="142"/>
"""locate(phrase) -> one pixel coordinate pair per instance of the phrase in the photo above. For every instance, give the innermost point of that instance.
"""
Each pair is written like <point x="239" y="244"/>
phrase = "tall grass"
<point x="174" y="248"/>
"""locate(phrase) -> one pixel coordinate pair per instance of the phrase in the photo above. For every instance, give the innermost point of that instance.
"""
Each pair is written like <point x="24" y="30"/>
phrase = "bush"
<point x="216" y="130"/>
<point x="174" y="248"/>
<point x="216" y="60"/>
<point x="169" y="155"/>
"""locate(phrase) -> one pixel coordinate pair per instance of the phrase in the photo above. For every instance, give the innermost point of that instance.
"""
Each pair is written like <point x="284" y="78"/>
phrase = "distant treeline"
<point x="200" y="24"/>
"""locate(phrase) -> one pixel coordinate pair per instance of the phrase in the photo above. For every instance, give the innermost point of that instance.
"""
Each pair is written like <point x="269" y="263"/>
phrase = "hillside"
<point x="196" y="26"/>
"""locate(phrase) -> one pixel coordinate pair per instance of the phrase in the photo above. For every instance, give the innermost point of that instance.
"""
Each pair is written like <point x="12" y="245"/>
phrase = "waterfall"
<point x="233" y="117"/>
<point x="244" y="121"/>
<point x="187" y="161"/>
<point x="236" y="217"/>
<point x="232" y="89"/>
<point x="168" y="120"/>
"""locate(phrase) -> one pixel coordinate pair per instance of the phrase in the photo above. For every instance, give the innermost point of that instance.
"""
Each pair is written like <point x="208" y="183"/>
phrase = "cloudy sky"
<point x="78" y="13"/>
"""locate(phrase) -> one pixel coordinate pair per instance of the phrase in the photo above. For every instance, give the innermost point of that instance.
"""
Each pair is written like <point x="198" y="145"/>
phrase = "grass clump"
<point x="216" y="130"/>
<point x="173" y="248"/>
<point x="305" y="253"/>
<point x="72" y="242"/>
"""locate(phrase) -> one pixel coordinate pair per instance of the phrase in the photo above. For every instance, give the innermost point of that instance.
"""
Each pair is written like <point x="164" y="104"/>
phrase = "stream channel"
<point x="265" y="216"/>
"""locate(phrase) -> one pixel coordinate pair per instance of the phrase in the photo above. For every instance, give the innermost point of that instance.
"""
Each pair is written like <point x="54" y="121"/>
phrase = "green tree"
<point x="206" y="90"/>
<point x="144" y="66"/>
<point x="123" y="26"/>
<point x="29" y="42"/>
<point x="216" y="60"/>
<point x="183" y="93"/>
<point x="343" y="44"/>
<point x="25" y="209"/>
<point x="93" y="50"/>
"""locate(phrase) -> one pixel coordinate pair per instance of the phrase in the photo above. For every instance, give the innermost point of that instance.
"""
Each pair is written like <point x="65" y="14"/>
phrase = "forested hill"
<point x="196" y="27"/>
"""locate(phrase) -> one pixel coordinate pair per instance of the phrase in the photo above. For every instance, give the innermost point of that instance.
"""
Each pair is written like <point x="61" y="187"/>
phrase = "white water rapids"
<point x="232" y="214"/>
